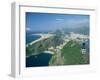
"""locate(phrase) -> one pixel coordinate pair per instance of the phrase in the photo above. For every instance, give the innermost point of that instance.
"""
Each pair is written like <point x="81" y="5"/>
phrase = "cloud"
<point x="28" y="29"/>
<point x="59" y="19"/>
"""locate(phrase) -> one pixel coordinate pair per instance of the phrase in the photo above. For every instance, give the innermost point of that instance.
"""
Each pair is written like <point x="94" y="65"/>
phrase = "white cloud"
<point x="28" y="29"/>
<point x="59" y="19"/>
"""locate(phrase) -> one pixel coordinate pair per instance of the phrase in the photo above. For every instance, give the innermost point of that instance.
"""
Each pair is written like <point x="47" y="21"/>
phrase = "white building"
<point x="83" y="51"/>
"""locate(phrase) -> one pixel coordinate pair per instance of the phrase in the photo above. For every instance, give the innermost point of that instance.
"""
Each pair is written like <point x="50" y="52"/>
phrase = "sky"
<point x="50" y="21"/>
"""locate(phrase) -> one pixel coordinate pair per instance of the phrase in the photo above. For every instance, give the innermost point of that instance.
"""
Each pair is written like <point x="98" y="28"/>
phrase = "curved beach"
<point x="43" y="36"/>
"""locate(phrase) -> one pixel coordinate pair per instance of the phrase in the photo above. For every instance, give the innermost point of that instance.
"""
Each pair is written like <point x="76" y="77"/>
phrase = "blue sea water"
<point x="38" y="60"/>
<point x="30" y="37"/>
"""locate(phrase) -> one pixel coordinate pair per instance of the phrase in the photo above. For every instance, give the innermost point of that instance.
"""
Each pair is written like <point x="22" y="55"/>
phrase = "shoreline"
<point x="48" y="52"/>
<point x="43" y="36"/>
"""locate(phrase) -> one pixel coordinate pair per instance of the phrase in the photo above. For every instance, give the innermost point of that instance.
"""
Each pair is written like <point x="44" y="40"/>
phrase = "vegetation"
<point x="72" y="54"/>
<point x="56" y="60"/>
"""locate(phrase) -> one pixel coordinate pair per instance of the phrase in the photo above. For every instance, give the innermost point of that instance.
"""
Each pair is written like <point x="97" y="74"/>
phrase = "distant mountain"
<point x="82" y="30"/>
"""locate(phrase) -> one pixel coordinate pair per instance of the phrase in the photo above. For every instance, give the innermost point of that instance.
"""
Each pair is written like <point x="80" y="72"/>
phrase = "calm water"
<point x="30" y="37"/>
<point x="38" y="60"/>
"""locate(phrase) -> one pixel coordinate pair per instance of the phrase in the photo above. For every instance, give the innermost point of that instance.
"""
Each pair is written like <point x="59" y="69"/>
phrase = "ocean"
<point x="42" y="59"/>
<point x="30" y="37"/>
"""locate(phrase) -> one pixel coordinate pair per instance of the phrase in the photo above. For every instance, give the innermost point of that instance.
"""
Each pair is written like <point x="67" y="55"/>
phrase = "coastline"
<point x="73" y="36"/>
<point x="43" y="36"/>
<point x="50" y="52"/>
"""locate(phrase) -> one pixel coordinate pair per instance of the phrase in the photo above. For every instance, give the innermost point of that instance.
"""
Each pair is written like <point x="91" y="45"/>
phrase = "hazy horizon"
<point x="50" y="21"/>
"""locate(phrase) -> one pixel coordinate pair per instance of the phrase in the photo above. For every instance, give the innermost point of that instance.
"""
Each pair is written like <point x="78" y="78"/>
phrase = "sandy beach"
<point x="49" y="52"/>
<point x="43" y="36"/>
